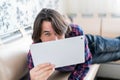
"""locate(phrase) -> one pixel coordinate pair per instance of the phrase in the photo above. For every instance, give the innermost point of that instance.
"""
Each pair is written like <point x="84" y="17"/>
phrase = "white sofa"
<point x="13" y="62"/>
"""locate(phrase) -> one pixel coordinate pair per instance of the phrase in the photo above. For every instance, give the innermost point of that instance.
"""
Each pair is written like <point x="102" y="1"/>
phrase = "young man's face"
<point x="48" y="34"/>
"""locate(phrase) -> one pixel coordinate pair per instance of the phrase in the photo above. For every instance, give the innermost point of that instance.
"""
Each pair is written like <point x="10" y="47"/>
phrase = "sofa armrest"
<point x="92" y="72"/>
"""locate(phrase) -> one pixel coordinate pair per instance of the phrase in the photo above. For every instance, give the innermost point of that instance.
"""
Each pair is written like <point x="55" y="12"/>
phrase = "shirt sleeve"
<point x="81" y="70"/>
<point x="30" y="61"/>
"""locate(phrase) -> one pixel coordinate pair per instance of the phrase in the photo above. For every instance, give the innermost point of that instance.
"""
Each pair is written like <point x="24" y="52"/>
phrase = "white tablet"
<point x="62" y="52"/>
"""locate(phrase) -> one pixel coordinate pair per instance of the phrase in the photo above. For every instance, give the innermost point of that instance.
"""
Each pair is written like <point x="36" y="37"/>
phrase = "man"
<point x="49" y="25"/>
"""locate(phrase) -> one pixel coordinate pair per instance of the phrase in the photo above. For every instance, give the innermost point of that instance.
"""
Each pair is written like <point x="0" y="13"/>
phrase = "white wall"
<point x="93" y="6"/>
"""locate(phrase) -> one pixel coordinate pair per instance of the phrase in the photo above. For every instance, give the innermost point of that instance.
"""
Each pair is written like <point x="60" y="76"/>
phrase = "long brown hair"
<point x="56" y="19"/>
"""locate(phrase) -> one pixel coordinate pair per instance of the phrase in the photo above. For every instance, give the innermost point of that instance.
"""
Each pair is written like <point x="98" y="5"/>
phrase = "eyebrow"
<point x="45" y="31"/>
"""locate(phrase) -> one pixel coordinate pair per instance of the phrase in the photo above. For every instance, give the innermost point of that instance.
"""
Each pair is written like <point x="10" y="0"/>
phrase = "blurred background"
<point x="97" y="17"/>
<point x="17" y="16"/>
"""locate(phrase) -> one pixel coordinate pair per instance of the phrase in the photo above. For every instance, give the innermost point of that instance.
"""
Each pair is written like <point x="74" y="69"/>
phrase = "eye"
<point x="47" y="34"/>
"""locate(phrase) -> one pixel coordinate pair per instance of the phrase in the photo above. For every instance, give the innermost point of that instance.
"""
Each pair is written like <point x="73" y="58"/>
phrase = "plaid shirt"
<point x="78" y="71"/>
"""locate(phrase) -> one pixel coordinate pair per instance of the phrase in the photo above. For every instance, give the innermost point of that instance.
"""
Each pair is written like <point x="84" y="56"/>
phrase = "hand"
<point x="42" y="71"/>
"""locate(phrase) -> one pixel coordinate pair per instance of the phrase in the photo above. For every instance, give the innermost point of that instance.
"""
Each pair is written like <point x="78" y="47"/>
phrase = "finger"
<point x="38" y="67"/>
<point x="42" y="73"/>
<point x="45" y="69"/>
<point x="46" y="74"/>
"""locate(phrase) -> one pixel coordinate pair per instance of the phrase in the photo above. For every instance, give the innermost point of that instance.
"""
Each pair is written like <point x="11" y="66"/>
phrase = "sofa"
<point x="13" y="62"/>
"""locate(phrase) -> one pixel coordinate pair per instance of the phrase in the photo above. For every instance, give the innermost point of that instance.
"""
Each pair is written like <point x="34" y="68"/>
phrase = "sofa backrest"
<point x="90" y="25"/>
<point x="107" y="26"/>
<point x="13" y="59"/>
<point x="110" y="27"/>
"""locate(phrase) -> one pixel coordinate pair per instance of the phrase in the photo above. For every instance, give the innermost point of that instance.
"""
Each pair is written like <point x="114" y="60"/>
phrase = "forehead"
<point x="46" y="25"/>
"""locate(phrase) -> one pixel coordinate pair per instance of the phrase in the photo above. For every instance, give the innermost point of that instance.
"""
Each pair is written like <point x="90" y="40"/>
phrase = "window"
<point x="10" y="36"/>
